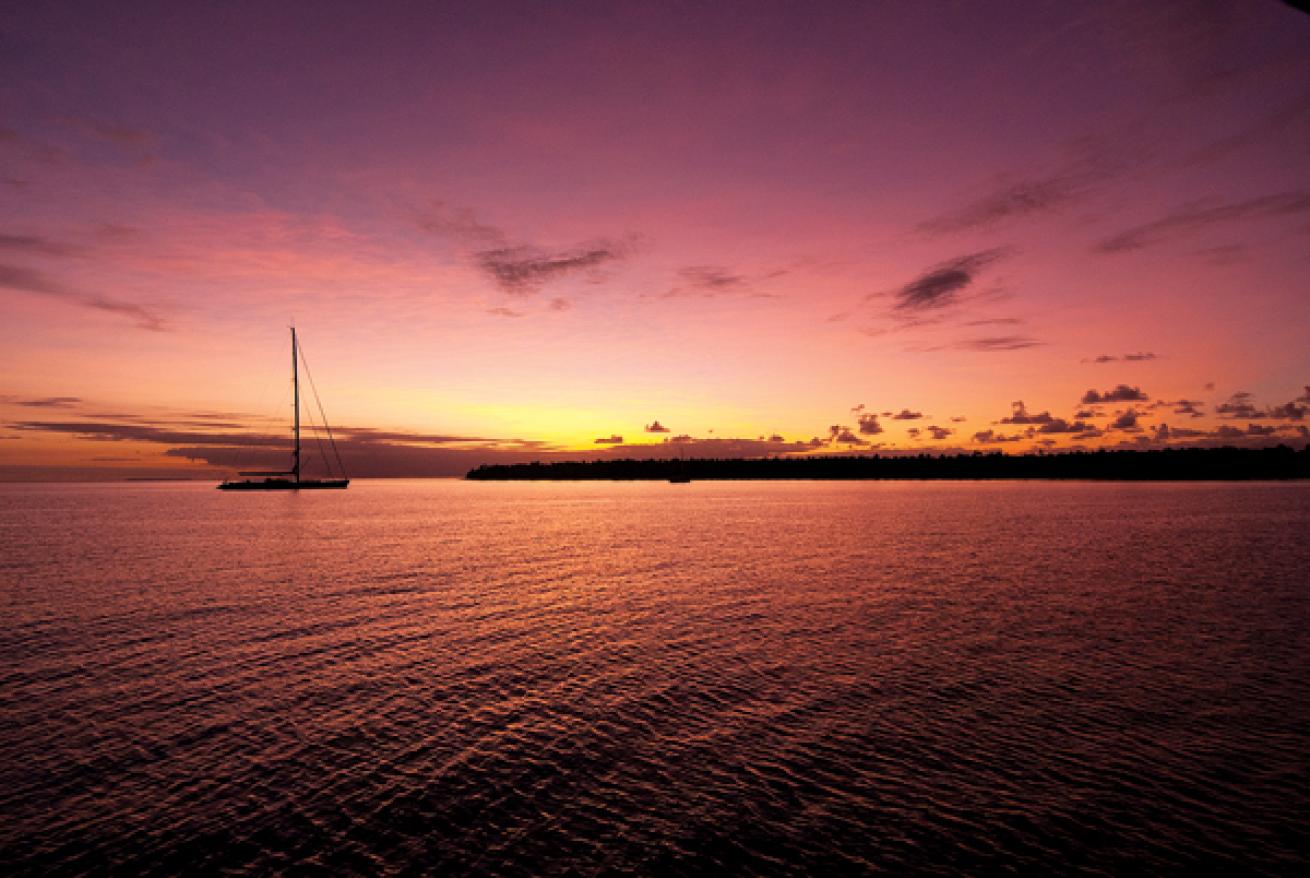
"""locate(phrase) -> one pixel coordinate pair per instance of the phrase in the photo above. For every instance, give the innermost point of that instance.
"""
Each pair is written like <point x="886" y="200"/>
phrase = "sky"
<point x="543" y="231"/>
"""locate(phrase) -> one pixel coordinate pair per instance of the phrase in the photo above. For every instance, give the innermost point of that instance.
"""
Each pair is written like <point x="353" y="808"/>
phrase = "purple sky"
<point x="514" y="229"/>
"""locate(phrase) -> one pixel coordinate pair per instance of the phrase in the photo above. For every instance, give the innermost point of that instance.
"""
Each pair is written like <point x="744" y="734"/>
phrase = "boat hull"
<point x="285" y="485"/>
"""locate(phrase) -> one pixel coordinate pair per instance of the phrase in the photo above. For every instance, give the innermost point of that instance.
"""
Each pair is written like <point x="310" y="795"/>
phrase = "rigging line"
<point x="331" y="440"/>
<point x="306" y="427"/>
<point x="309" y="411"/>
<point x="318" y="437"/>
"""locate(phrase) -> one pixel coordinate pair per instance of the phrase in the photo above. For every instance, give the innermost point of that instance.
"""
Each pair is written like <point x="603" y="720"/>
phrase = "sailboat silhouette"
<point x="278" y="480"/>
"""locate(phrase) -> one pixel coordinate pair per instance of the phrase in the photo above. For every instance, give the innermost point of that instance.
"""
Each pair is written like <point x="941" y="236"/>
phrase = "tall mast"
<point x="295" y="393"/>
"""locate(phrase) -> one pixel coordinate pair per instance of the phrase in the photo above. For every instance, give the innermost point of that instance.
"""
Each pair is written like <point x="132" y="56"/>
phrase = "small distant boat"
<point x="290" y="480"/>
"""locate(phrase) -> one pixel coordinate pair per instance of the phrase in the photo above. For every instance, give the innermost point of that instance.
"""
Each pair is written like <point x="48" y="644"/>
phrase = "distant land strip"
<point x="1167" y="464"/>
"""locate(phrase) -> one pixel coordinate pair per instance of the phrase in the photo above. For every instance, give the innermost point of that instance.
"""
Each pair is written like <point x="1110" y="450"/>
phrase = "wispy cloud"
<point x="16" y="277"/>
<point x="711" y="280"/>
<point x="1270" y="125"/>
<point x="29" y="281"/>
<point x="111" y="431"/>
<point x="36" y="245"/>
<point x="366" y="450"/>
<point x="168" y="433"/>
<point x="1018" y="199"/>
<point x="1194" y="218"/>
<point x="715" y="281"/>
<point x="941" y="285"/>
<point x="524" y="270"/>
<point x="683" y="443"/>
<point x="1224" y="254"/>
<point x="142" y="316"/>
<point x="995" y="321"/>
<point x="992" y="343"/>
<point x="517" y="269"/>
<point x="459" y="223"/>
<point x="938" y="296"/>
<point x="48" y="402"/>
<point x="1139" y="357"/>
<point x="372" y="434"/>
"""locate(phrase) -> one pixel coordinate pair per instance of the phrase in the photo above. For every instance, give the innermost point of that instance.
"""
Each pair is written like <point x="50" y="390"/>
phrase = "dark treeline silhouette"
<point x="1167" y="464"/>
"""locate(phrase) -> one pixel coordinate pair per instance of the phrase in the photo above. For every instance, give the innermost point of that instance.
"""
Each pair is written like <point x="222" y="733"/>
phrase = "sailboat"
<point x="290" y="480"/>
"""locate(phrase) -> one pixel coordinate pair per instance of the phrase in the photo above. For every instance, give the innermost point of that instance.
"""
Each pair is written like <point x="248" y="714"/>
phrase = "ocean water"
<point x="441" y="677"/>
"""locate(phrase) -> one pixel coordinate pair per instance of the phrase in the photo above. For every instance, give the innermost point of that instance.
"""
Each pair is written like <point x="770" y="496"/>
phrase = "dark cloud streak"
<point x="1194" y="218"/>
<point x="1121" y="393"/>
<point x="49" y="402"/>
<point x="1016" y="200"/>
<point x="524" y="270"/>
<point x="991" y="437"/>
<point x="36" y="245"/>
<point x="517" y="269"/>
<point x="714" y="281"/>
<point x="1140" y="357"/>
<point x="997" y="343"/>
<point x="26" y="280"/>
<point x="941" y="285"/>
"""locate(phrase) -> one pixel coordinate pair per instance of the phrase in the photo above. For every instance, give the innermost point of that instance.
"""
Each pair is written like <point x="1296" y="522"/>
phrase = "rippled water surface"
<point x="544" y="678"/>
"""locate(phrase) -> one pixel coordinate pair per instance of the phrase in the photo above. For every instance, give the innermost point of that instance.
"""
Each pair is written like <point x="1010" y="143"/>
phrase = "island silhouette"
<point x="1167" y="464"/>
